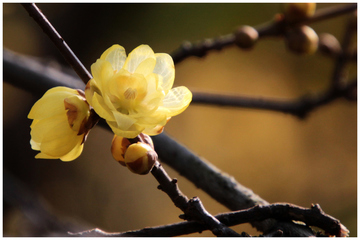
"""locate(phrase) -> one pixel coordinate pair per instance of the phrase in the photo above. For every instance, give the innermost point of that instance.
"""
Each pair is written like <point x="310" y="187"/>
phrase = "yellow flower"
<point x="133" y="94"/>
<point x="60" y="124"/>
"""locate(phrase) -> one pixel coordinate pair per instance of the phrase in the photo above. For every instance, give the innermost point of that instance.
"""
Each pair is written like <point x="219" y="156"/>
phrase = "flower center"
<point x="130" y="93"/>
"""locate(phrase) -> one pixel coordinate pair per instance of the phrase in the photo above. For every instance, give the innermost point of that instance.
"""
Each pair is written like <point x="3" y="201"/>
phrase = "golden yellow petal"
<point x="126" y="134"/>
<point x="146" y="66"/>
<point x="74" y="153"/>
<point x="45" y="156"/>
<point x="177" y="100"/>
<point x="154" y="131"/>
<point x="138" y="55"/>
<point x="60" y="140"/>
<point x="61" y="89"/>
<point x="156" y="118"/>
<point x="101" y="108"/>
<point x="124" y="122"/>
<point x="116" y="55"/>
<point x="51" y="103"/>
<point x="165" y="68"/>
<point x="35" y="145"/>
<point x="102" y="71"/>
<point x="44" y="126"/>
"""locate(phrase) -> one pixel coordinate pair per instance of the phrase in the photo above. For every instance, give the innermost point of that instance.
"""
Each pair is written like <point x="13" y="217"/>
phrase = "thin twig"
<point x="344" y="57"/>
<point x="273" y="28"/>
<point x="330" y="12"/>
<point x="59" y="42"/>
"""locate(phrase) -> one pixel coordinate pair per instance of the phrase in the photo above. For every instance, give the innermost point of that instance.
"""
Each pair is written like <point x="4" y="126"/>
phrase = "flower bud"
<point x="118" y="148"/>
<point x="298" y="11"/>
<point x="302" y="40"/>
<point x="246" y="37"/>
<point x="140" y="158"/>
<point x="329" y="45"/>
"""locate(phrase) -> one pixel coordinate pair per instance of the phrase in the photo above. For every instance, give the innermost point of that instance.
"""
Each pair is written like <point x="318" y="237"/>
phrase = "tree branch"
<point x="272" y="28"/>
<point x="313" y="216"/>
<point x="299" y="107"/>
<point x="59" y="42"/>
<point x="218" y="185"/>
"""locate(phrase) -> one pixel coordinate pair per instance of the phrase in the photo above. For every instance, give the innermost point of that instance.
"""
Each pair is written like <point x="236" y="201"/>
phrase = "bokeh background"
<point x="280" y="157"/>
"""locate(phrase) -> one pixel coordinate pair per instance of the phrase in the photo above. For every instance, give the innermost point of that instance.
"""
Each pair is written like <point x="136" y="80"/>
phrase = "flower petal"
<point x="124" y="122"/>
<point x="138" y="55"/>
<point x="35" y="145"/>
<point x="44" y="126"/>
<point x="177" y="100"/>
<point x="146" y="67"/>
<point x="154" y="131"/>
<point x="45" y="156"/>
<point x="101" y="108"/>
<point x="102" y="71"/>
<point x="165" y="67"/>
<point x="73" y="154"/>
<point x="126" y="134"/>
<point x="116" y="55"/>
<point x="60" y="139"/>
<point x="51" y="103"/>
<point x="77" y="111"/>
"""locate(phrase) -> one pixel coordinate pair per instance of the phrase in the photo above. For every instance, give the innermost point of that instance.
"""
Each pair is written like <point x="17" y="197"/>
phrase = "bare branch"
<point x="193" y="208"/>
<point x="273" y="28"/>
<point x="313" y="216"/>
<point x="299" y="107"/>
<point x="59" y="42"/>
<point x="345" y="56"/>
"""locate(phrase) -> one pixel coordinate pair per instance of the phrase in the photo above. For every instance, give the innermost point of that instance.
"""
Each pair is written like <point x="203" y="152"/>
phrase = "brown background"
<point x="281" y="158"/>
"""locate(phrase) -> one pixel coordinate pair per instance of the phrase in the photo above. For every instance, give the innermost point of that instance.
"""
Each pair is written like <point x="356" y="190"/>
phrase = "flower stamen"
<point x="130" y="94"/>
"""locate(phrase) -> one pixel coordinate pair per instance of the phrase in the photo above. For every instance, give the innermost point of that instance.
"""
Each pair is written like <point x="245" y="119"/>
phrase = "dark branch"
<point x="298" y="107"/>
<point x="313" y="216"/>
<point x="201" y="48"/>
<point x="193" y="208"/>
<point x="345" y="56"/>
<point x="331" y="12"/>
<point x="272" y="28"/>
<point x="59" y="42"/>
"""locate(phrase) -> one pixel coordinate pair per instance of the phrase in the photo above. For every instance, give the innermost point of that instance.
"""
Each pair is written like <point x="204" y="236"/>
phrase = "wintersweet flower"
<point x="134" y="93"/>
<point x="60" y="124"/>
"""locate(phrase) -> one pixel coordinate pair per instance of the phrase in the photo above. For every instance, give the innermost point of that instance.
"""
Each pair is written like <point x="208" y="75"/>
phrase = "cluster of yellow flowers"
<point x="132" y="93"/>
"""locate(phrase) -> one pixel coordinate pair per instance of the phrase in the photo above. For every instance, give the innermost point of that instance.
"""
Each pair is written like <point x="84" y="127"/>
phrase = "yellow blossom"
<point x="134" y="93"/>
<point x="60" y="124"/>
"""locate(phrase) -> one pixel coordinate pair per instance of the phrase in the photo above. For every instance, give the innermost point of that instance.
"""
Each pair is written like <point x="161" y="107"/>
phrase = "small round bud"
<point x="118" y="148"/>
<point x="246" y="37"/>
<point x="298" y="11"/>
<point x="140" y="158"/>
<point x="302" y="40"/>
<point x="329" y="45"/>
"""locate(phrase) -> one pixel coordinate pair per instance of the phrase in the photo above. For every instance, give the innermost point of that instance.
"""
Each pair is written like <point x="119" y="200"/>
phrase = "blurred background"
<point x="278" y="156"/>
